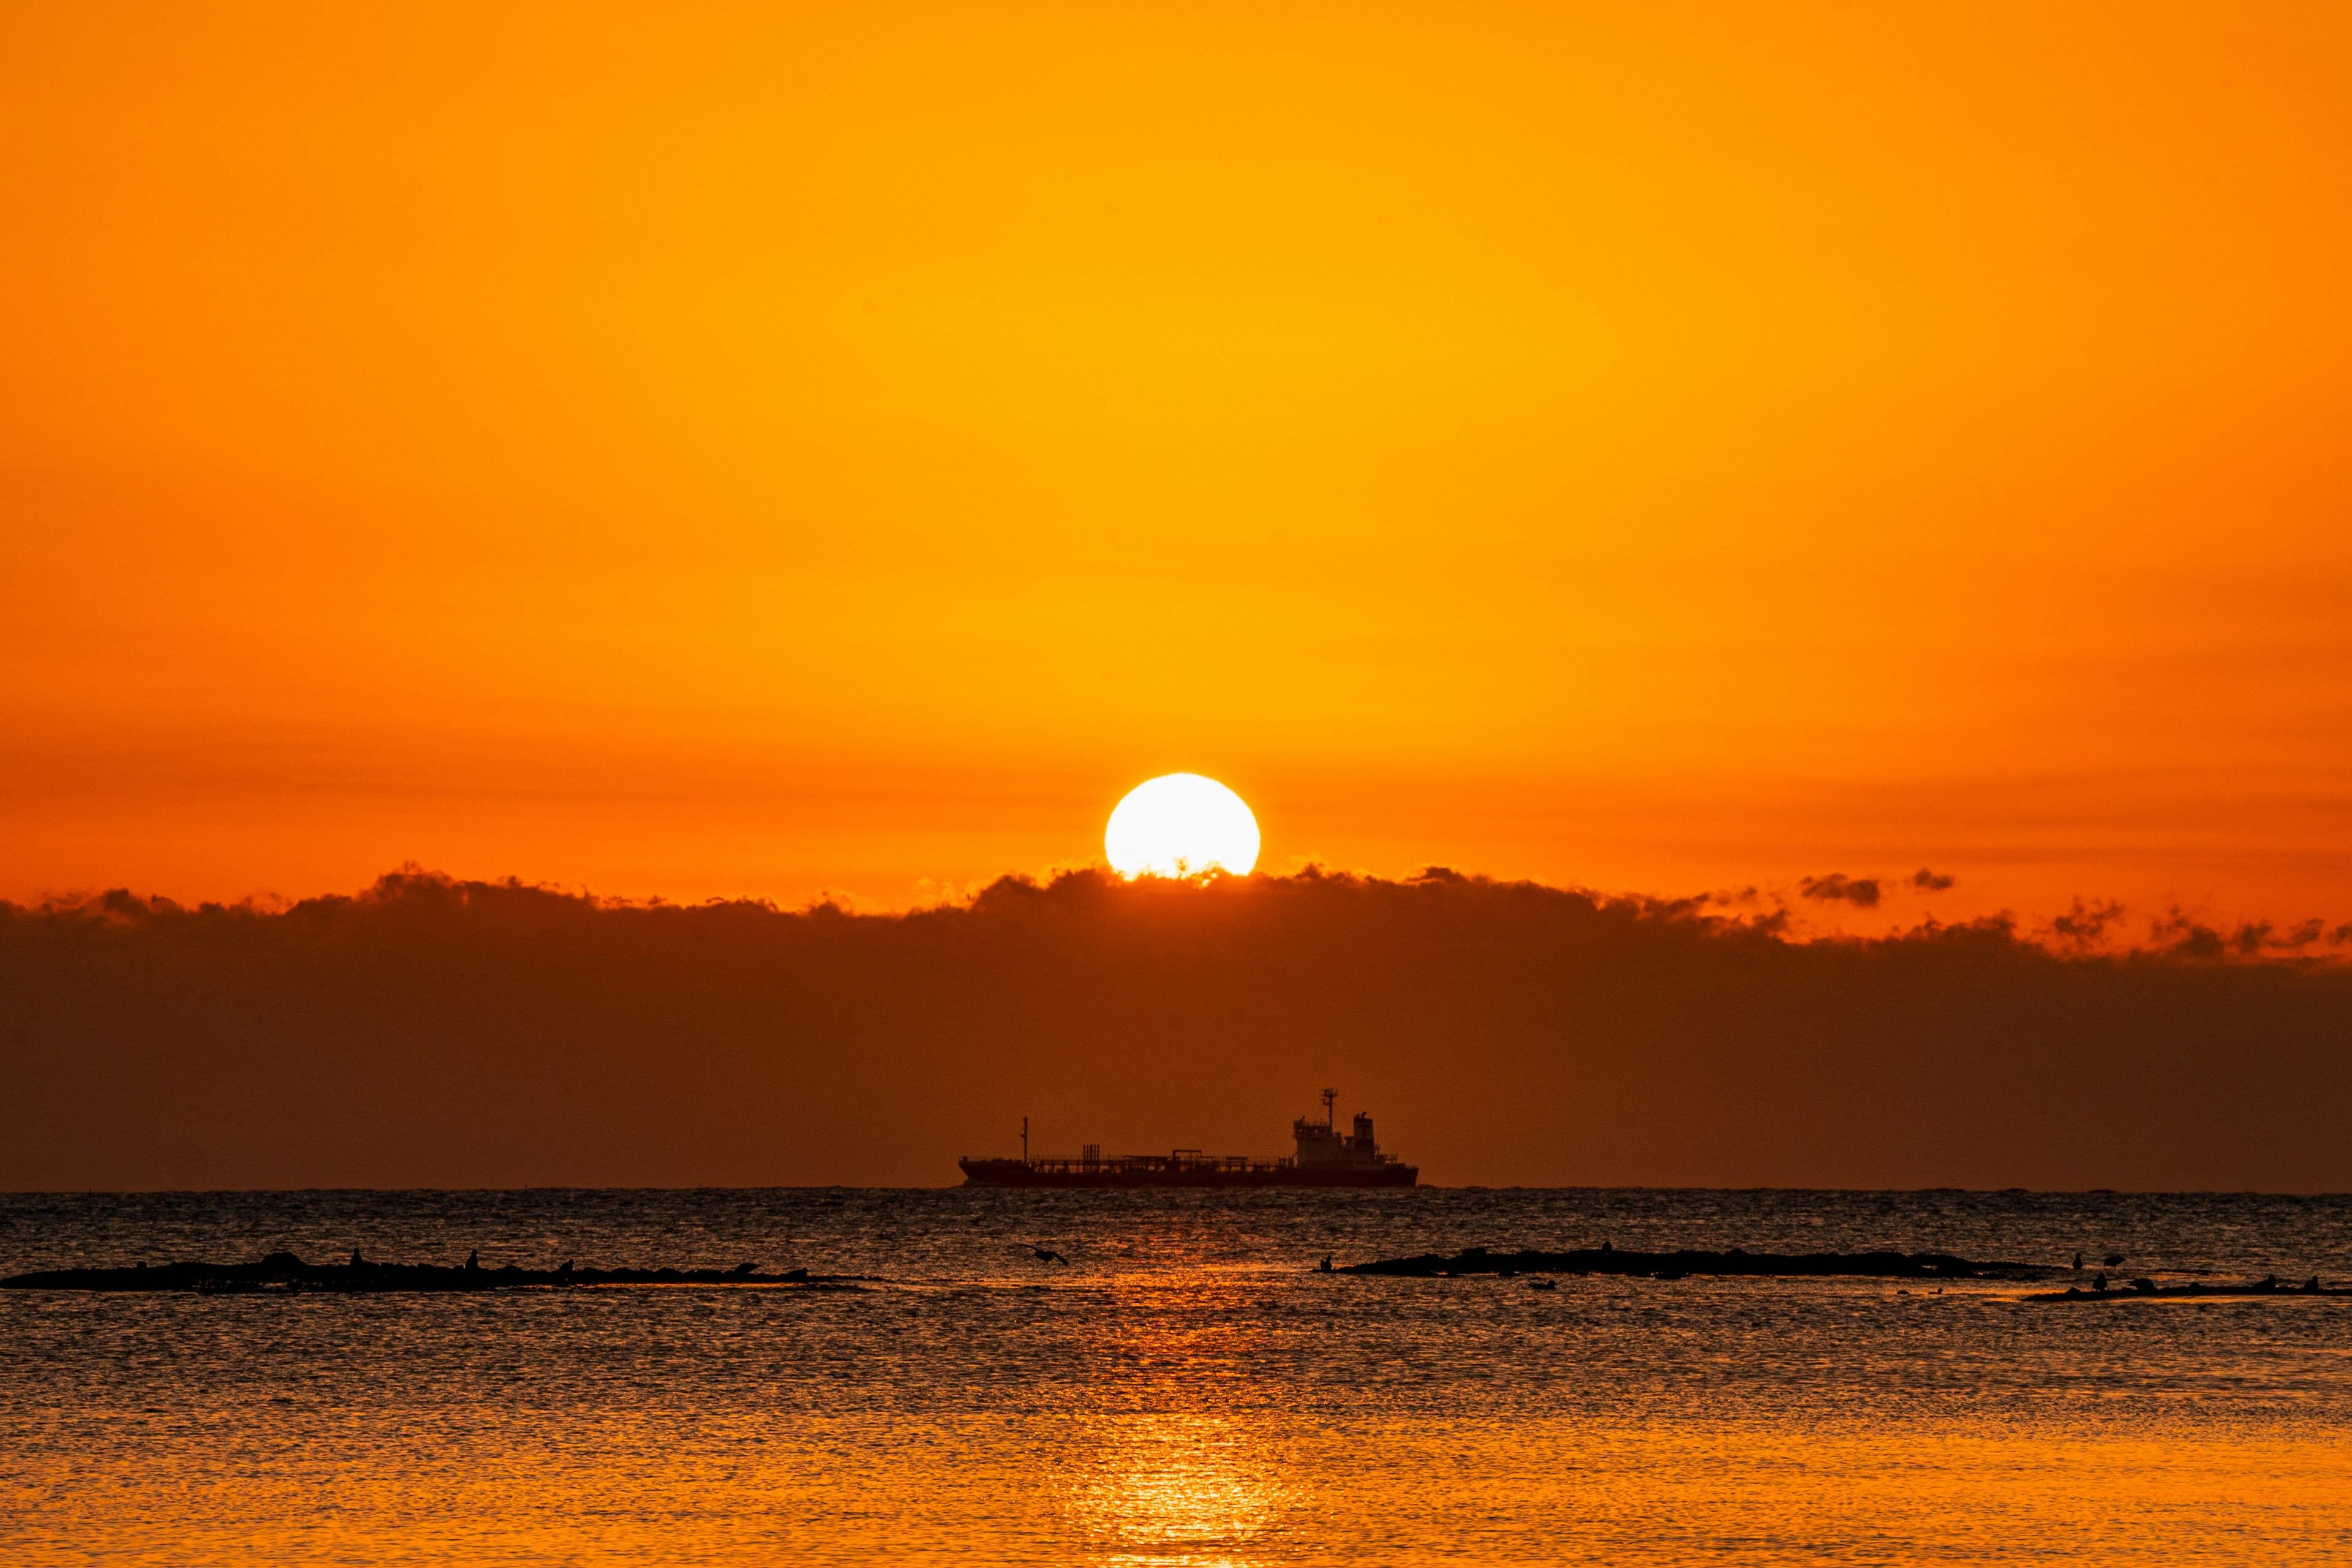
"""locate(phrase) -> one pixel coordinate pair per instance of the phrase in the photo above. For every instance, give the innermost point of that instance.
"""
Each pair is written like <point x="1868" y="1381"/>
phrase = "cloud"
<point x="1928" y="881"/>
<point x="1861" y="893"/>
<point x="2083" y="924"/>
<point x="431" y="1032"/>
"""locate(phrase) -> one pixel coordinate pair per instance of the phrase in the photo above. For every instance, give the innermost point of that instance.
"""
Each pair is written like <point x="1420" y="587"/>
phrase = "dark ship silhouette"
<point x="1325" y="1158"/>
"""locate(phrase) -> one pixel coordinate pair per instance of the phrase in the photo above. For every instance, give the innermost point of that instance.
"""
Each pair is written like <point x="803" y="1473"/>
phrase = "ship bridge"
<point x="1321" y="1146"/>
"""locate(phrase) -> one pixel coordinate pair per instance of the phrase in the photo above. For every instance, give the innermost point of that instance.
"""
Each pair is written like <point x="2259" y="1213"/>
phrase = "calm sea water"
<point x="1186" y="1391"/>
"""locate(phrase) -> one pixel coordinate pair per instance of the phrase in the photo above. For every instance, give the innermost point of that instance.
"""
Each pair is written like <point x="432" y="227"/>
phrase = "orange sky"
<point x="737" y="450"/>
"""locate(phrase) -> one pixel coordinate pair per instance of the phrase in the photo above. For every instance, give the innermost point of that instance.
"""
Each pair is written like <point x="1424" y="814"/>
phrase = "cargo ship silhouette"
<point x="1325" y="1158"/>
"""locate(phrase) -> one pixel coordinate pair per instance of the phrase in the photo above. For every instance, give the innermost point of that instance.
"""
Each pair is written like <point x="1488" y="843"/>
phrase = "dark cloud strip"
<point x="441" y="1034"/>
<point x="1861" y="893"/>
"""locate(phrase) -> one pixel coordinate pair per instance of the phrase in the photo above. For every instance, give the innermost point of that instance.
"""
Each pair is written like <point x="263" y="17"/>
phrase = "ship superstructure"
<point x="1325" y="1157"/>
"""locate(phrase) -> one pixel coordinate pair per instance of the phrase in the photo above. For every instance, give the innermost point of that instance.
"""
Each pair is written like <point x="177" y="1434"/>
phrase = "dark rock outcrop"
<point x="2144" y="1289"/>
<point x="285" y="1271"/>
<point x="1678" y="1265"/>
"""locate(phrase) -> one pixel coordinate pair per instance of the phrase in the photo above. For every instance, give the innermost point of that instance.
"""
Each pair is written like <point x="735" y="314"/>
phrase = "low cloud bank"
<point x="437" y="1033"/>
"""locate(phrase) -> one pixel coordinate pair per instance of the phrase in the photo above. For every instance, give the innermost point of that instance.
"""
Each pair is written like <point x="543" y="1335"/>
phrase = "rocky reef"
<point x="283" y="1271"/>
<point x="2196" y="1289"/>
<point x="1686" y="1262"/>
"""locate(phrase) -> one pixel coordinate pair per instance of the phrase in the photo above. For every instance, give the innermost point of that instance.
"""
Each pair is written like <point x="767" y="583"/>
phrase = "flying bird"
<point x="2115" y="1260"/>
<point x="1045" y="1254"/>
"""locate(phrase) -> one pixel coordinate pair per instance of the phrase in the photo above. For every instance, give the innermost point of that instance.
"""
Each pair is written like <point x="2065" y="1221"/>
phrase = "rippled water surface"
<point x="1186" y="1390"/>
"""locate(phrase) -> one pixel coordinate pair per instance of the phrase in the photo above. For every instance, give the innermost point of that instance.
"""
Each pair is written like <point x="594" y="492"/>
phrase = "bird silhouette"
<point x="1045" y="1254"/>
<point x="355" y="1258"/>
<point x="2115" y="1260"/>
<point x="564" y="1267"/>
<point x="743" y="1269"/>
<point x="473" y="1260"/>
<point x="2078" y="1263"/>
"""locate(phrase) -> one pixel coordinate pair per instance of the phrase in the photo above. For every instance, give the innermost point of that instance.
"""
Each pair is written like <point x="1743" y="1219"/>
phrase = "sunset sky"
<point x="759" y="450"/>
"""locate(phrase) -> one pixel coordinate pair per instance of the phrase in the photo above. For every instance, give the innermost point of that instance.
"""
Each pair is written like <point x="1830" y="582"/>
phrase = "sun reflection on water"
<point x="1176" y="1491"/>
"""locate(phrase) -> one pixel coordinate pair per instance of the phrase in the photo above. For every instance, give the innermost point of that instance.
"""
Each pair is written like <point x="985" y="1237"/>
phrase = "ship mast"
<point x="1329" y="1116"/>
<point x="1024" y="1140"/>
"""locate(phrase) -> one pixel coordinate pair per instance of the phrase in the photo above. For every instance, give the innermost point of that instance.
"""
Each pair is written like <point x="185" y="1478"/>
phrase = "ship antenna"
<point x="1024" y="1140"/>
<point x="1330" y="1117"/>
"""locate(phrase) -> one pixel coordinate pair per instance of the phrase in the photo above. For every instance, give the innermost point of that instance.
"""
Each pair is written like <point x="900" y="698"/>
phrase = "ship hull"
<point x="1020" y="1174"/>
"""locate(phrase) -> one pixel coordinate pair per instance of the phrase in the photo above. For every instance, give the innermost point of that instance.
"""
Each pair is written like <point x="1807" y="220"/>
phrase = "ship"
<point x="1325" y="1158"/>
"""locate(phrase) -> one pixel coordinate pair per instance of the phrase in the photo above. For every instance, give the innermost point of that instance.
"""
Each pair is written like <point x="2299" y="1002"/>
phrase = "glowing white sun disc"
<point x="1181" y="825"/>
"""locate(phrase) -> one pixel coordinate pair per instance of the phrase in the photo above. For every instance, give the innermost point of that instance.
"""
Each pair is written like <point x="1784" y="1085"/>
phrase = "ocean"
<point x="1187" y="1389"/>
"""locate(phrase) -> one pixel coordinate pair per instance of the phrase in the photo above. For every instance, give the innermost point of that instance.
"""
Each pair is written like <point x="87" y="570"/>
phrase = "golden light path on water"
<point x="1166" y="1474"/>
<point x="1182" y="1490"/>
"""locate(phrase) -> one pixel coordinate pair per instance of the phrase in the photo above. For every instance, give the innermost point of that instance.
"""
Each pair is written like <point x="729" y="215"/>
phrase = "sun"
<point x="1181" y="825"/>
